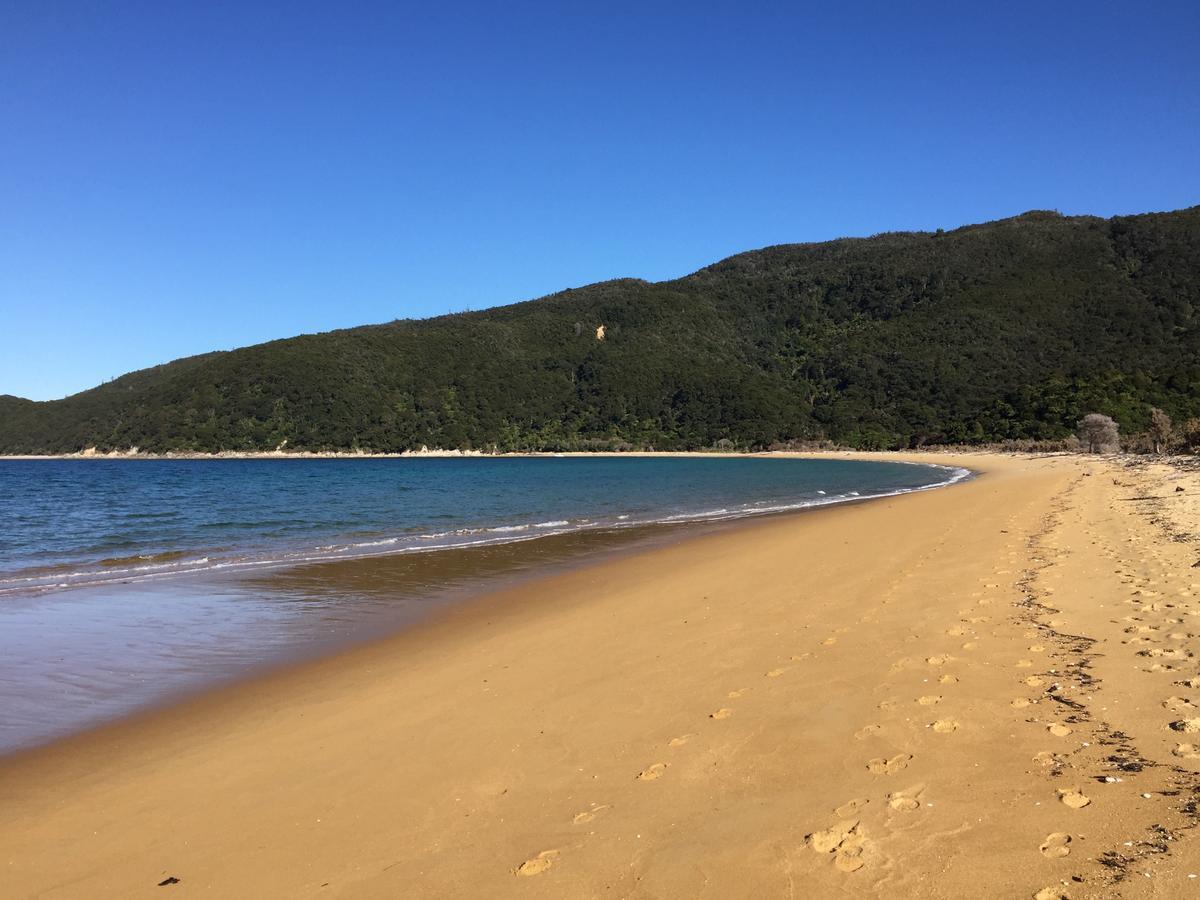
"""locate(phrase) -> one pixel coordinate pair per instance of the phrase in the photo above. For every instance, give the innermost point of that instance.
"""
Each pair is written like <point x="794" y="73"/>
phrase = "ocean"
<point x="126" y="582"/>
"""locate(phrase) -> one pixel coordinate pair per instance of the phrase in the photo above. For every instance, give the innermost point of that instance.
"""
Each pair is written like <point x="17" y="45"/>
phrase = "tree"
<point x="1098" y="433"/>
<point x="1160" y="428"/>
<point x="1190" y="434"/>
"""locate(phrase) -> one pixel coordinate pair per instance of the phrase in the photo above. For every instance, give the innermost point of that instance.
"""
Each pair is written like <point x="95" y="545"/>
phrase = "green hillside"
<point x="1010" y="329"/>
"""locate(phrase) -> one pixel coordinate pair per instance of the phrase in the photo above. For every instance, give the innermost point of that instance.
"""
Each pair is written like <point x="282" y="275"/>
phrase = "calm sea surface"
<point x="123" y="582"/>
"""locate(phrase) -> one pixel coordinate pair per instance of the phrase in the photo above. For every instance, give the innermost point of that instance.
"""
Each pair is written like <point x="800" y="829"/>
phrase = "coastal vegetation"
<point x="1007" y="331"/>
<point x="1099" y="433"/>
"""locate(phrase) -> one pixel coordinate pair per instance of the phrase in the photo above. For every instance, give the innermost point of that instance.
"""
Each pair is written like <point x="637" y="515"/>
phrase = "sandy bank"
<point x="964" y="692"/>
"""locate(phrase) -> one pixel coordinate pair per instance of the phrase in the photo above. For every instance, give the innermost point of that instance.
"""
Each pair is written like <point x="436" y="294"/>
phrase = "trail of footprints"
<point x="1157" y="634"/>
<point x="845" y="839"/>
<point x="848" y="832"/>
<point x="1163" y="607"/>
<point x="847" y="843"/>
<point x="1157" y="631"/>
<point x="1053" y="685"/>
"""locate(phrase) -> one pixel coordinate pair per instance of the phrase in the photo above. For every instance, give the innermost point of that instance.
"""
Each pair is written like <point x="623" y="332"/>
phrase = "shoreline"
<point x="463" y="574"/>
<point x="476" y="587"/>
<point x="532" y="454"/>
<point x="728" y="715"/>
<point x="502" y="531"/>
<point x="461" y="605"/>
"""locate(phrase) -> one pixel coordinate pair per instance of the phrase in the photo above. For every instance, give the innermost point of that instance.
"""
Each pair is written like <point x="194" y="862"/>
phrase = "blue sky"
<point x="179" y="177"/>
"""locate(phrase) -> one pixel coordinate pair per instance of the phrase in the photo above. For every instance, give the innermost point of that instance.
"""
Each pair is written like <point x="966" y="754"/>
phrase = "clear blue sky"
<point x="182" y="177"/>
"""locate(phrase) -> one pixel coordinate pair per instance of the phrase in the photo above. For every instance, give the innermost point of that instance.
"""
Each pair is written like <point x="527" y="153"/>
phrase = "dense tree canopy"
<point x="1011" y="329"/>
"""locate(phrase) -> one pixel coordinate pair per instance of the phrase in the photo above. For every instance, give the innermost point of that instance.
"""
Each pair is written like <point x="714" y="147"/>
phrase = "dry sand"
<point x="987" y="690"/>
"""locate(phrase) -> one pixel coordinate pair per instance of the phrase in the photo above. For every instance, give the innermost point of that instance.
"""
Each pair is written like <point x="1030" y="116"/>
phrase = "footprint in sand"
<point x="588" y="814"/>
<point x="1045" y="758"/>
<point x="1033" y="681"/>
<point x="848" y="857"/>
<point x="944" y="726"/>
<point x="733" y="695"/>
<point x="652" y="773"/>
<point x="844" y="840"/>
<point x="1051" y="893"/>
<point x="948" y="679"/>
<point x="929" y="699"/>
<point x="851" y="807"/>
<point x="538" y="864"/>
<point x="723" y="713"/>
<point x="1187" y="751"/>
<point x="1024" y="663"/>
<point x="1056" y="845"/>
<point x="1178" y="704"/>
<point x="881" y="766"/>
<point x="906" y="800"/>
<point x="1058" y="729"/>
<point x="680" y="741"/>
<point x="1073" y="797"/>
<point x="775" y="673"/>
<point x="866" y="731"/>
<point x="832" y="837"/>
<point x="939" y="660"/>
<point x="956" y="631"/>
<point x="1020" y="703"/>
<point x="1036" y="648"/>
<point x="829" y="642"/>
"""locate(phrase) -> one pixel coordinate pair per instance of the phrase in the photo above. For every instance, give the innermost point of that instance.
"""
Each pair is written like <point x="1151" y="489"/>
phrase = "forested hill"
<point x="1011" y="329"/>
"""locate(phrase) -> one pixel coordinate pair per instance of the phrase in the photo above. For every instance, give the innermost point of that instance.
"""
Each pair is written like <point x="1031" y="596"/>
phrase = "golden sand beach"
<point x="988" y="690"/>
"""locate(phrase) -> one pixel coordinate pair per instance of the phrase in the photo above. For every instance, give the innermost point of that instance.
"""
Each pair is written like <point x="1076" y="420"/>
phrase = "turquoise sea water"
<point x="125" y="581"/>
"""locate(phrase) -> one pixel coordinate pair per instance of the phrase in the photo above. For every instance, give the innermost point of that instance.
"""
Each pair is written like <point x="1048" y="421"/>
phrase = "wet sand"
<point x="147" y="645"/>
<point x="986" y="690"/>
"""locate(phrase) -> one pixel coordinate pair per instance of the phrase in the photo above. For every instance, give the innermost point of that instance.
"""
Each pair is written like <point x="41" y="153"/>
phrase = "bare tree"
<point x="1098" y="433"/>
<point x="1160" y="428"/>
<point x="1190" y="435"/>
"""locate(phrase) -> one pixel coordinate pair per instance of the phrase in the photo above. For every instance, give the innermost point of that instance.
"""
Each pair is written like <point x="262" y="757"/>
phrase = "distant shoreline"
<point x="254" y="454"/>
<point x="479" y="454"/>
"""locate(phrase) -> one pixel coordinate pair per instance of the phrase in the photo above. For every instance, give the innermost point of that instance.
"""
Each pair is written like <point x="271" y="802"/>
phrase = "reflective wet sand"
<point x="85" y="656"/>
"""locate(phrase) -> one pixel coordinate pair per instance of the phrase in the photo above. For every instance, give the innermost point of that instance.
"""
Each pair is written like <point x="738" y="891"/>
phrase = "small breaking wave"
<point x="178" y="563"/>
